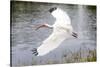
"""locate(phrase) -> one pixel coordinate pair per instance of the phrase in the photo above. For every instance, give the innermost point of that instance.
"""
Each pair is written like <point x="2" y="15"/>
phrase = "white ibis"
<point x="62" y="29"/>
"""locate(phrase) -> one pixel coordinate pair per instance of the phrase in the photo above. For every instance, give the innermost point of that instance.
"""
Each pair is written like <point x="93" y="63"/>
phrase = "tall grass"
<point x="82" y="55"/>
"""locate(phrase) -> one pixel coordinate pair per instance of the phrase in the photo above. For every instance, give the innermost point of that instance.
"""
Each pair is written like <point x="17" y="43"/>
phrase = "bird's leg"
<point x="44" y="25"/>
<point x="74" y="34"/>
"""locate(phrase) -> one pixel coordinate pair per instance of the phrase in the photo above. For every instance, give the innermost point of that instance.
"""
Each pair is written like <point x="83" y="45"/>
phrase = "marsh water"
<point x="25" y="16"/>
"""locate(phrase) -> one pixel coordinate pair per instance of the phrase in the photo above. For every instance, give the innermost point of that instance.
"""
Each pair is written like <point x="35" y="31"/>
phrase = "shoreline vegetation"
<point x="79" y="56"/>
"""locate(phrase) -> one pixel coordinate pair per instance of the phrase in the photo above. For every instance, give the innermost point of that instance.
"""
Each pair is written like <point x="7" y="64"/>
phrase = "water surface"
<point x="26" y="15"/>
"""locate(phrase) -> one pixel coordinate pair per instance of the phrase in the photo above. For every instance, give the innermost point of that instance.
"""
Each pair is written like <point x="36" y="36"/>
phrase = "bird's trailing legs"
<point x="44" y="25"/>
<point x="74" y="34"/>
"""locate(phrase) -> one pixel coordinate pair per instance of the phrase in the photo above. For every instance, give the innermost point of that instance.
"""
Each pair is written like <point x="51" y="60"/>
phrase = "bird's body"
<point x="62" y="29"/>
<point x="52" y="42"/>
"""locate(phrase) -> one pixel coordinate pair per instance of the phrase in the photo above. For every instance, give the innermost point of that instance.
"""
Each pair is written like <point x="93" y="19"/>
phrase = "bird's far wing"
<point x="65" y="18"/>
<point x="62" y="18"/>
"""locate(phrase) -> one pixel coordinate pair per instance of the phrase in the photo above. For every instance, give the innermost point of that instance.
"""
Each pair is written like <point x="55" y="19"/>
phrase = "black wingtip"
<point x="34" y="51"/>
<point x="52" y="9"/>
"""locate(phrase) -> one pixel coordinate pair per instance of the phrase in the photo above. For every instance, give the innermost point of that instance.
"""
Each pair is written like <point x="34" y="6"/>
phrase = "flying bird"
<point x="62" y="29"/>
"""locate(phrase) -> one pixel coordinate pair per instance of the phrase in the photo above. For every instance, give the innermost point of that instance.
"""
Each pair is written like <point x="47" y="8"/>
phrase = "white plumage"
<point x="62" y="29"/>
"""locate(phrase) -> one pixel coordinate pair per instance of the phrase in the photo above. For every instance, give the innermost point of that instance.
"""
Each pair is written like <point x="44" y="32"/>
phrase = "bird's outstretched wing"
<point x="51" y="43"/>
<point x="62" y="18"/>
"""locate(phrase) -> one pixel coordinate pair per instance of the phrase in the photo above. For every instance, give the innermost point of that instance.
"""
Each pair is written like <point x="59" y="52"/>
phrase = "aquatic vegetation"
<point x="81" y="55"/>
